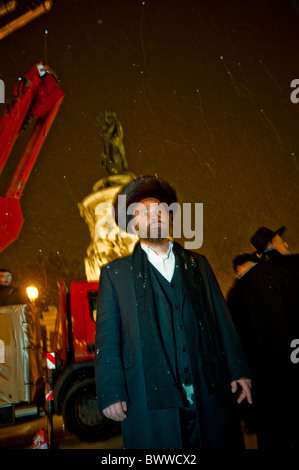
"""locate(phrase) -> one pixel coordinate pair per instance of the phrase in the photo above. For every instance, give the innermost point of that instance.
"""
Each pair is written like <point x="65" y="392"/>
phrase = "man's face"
<point x="280" y="245"/>
<point x="243" y="268"/>
<point x="151" y="221"/>
<point x="5" y="278"/>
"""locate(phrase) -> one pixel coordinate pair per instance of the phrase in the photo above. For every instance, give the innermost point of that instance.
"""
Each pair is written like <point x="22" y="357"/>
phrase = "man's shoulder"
<point x="294" y="258"/>
<point x="119" y="263"/>
<point x="201" y="259"/>
<point x="197" y="255"/>
<point x="190" y="253"/>
<point x="275" y="260"/>
<point x="272" y="265"/>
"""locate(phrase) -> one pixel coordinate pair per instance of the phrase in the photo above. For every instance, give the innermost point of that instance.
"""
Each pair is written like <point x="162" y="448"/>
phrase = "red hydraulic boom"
<point x="37" y="96"/>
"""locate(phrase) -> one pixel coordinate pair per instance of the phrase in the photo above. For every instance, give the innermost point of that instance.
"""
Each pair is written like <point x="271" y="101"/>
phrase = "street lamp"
<point x="32" y="293"/>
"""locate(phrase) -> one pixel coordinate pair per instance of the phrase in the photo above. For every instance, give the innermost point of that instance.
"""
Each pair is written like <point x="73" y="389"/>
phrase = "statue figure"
<point x="113" y="154"/>
<point x="104" y="248"/>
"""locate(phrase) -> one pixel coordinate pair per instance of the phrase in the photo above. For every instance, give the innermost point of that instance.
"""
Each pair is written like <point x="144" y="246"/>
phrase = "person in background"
<point x="242" y="264"/>
<point x="267" y="302"/>
<point x="5" y="277"/>
<point x="10" y="295"/>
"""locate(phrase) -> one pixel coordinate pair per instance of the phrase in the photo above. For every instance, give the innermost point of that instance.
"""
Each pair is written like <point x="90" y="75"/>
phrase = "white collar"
<point x="153" y="254"/>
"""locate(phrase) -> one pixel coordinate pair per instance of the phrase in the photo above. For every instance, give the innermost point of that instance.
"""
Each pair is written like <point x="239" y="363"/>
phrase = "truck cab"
<point x="74" y="377"/>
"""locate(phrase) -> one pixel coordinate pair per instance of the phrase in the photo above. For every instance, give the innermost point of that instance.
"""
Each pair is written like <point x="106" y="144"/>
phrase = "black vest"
<point x="176" y="318"/>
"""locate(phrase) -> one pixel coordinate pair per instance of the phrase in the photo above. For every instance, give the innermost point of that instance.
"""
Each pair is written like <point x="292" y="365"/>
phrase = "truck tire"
<point x="81" y="415"/>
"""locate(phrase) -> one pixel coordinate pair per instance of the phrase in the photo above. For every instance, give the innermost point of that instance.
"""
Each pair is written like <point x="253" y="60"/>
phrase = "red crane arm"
<point x="38" y="96"/>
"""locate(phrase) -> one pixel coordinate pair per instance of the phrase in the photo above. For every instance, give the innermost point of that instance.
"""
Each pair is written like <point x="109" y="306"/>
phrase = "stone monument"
<point x="108" y="242"/>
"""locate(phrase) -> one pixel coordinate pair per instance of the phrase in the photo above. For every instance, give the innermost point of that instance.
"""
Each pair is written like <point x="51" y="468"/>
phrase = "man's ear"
<point x="277" y="242"/>
<point x="133" y="227"/>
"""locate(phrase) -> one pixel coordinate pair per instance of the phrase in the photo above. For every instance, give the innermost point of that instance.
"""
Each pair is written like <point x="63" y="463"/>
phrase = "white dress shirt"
<point x="164" y="263"/>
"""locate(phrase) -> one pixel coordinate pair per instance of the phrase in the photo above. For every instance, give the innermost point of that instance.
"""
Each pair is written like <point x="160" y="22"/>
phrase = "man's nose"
<point x="155" y="215"/>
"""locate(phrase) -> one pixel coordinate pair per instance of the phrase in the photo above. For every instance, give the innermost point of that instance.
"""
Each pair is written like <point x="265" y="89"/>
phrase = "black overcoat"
<point x="119" y="364"/>
<point x="265" y="308"/>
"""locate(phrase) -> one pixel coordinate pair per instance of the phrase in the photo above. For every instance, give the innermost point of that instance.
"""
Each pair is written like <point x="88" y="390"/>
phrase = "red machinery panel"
<point x="37" y="96"/>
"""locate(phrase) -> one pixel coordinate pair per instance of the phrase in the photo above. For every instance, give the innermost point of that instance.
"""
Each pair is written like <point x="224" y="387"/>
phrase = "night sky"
<point x="202" y="90"/>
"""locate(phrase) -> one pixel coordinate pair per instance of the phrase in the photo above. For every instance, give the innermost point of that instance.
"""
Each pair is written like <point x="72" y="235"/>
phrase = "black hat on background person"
<point x="138" y="190"/>
<point x="263" y="236"/>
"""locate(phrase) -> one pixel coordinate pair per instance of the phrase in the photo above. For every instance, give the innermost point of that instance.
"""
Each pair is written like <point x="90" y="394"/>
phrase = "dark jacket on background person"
<point x="139" y="362"/>
<point x="265" y="310"/>
<point x="12" y="296"/>
<point x="267" y="304"/>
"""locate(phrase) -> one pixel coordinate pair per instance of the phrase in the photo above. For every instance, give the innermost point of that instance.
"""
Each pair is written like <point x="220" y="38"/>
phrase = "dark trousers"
<point x="190" y="428"/>
<point x="215" y="426"/>
<point x="277" y="416"/>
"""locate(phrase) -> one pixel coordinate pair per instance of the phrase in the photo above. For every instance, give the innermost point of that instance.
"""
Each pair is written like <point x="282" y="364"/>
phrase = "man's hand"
<point x="116" y="411"/>
<point x="246" y="389"/>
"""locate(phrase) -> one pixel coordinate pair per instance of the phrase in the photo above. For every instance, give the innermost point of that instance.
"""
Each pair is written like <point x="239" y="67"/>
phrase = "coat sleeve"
<point x="109" y="373"/>
<point x="235" y="358"/>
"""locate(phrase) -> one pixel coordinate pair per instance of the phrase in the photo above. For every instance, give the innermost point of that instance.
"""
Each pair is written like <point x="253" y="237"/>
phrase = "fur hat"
<point x="137" y="190"/>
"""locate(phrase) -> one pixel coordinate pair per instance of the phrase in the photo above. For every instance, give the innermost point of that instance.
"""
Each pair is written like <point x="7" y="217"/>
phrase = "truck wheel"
<point x="81" y="415"/>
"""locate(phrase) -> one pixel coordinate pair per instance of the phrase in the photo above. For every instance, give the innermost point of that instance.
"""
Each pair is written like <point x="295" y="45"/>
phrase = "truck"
<point x="23" y="381"/>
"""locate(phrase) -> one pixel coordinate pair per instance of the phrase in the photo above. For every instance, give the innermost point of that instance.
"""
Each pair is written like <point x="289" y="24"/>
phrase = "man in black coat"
<point x="267" y="306"/>
<point x="242" y="264"/>
<point x="167" y="354"/>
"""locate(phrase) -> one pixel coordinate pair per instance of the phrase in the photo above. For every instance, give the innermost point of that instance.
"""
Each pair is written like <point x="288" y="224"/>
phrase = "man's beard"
<point x="157" y="234"/>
